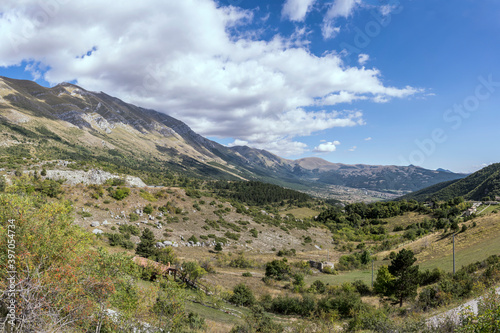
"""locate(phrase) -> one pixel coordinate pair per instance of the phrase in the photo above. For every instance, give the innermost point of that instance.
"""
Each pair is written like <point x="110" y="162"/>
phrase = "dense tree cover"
<point x="353" y="214"/>
<point x="257" y="193"/>
<point x="485" y="182"/>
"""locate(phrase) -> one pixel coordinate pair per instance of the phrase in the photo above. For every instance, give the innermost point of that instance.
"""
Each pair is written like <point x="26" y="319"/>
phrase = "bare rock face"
<point x="93" y="176"/>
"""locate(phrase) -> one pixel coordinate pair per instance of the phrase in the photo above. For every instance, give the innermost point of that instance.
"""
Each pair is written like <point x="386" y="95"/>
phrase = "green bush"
<point x="148" y="209"/>
<point x="119" y="193"/>
<point x="242" y="295"/>
<point x="193" y="239"/>
<point x="241" y="262"/>
<point x="232" y="235"/>
<point x="129" y="229"/>
<point x="278" y="270"/>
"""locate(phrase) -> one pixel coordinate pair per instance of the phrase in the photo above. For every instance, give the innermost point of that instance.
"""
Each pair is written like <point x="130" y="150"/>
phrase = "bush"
<point x="232" y="235"/>
<point x="254" y="232"/>
<point x="148" y="209"/>
<point x="195" y="321"/>
<point x="318" y="287"/>
<point x="362" y="288"/>
<point x="278" y="269"/>
<point x="247" y="274"/>
<point x="241" y="262"/>
<point x="119" y="193"/>
<point x="129" y="229"/>
<point x="302" y="306"/>
<point x="193" y="239"/>
<point x="284" y="252"/>
<point x="345" y="300"/>
<point x="242" y="295"/>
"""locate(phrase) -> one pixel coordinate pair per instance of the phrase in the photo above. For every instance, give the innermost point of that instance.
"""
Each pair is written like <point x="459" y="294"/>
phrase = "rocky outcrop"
<point x="93" y="176"/>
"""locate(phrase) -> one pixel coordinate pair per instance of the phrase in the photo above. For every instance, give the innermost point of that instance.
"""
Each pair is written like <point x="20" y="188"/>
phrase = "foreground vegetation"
<point x="71" y="280"/>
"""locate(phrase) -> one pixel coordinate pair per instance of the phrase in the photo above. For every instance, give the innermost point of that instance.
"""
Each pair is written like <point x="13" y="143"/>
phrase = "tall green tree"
<point x="146" y="247"/>
<point x="406" y="275"/>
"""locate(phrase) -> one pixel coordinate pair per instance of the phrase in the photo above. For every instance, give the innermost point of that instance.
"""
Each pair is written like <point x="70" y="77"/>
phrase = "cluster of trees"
<point x="257" y="193"/>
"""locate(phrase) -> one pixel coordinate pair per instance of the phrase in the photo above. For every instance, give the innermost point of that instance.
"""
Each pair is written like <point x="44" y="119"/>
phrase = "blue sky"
<point x="351" y="81"/>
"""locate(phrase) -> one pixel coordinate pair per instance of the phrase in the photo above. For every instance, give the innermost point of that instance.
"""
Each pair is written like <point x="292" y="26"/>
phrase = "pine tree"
<point x="406" y="275"/>
<point x="146" y="247"/>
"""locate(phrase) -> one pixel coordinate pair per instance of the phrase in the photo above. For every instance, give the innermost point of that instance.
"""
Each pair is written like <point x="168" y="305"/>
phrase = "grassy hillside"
<point x="483" y="183"/>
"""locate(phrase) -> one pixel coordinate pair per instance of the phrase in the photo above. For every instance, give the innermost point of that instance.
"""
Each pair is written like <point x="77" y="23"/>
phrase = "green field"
<point x="489" y="210"/>
<point x="364" y="275"/>
<point x="466" y="256"/>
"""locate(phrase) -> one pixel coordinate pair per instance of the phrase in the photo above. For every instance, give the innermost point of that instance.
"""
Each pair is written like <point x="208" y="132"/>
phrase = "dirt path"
<point x="454" y="314"/>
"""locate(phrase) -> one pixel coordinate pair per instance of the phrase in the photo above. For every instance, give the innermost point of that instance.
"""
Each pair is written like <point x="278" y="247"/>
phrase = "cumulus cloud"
<point x="368" y="138"/>
<point x="327" y="147"/>
<point x="353" y="148"/>
<point x="196" y="61"/>
<point x="363" y="58"/>
<point x="296" y="10"/>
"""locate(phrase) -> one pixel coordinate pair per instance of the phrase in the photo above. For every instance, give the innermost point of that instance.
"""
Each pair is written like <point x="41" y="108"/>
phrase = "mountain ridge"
<point x="106" y="125"/>
<point x="476" y="186"/>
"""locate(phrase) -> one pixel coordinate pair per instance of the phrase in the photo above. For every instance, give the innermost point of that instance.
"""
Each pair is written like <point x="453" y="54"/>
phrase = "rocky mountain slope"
<point x="69" y="122"/>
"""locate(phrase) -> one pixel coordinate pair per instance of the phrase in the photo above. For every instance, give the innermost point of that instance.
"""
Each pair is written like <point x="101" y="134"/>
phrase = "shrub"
<point x="195" y="321"/>
<point x="344" y="300"/>
<point x="148" y="209"/>
<point x="193" y="239"/>
<point x="254" y="232"/>
<point x="232" y="235"/>
<point x="278" y="269"/>
<point x="119" y="193"/>
<point x="241" y="262"/>
<point x="130" y="229"/>
<point x="247" y="274"/>
<point x="318" y="287"/>
<point x="284" y="252"/>
<point x="242" y="295"/>
<point x="362" y="288"/>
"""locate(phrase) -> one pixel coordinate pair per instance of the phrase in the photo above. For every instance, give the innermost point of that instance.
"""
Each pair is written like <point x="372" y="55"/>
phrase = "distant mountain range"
<point x="481" y="184"/>
<point x="69" y="122"/>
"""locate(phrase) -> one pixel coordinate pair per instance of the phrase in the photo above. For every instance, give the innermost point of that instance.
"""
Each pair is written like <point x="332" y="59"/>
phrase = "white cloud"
<point x="327" y="147"/>
<point x="189" y="59"/>
<point x="296" y="10"/>
<point x="353" y="148"/>
<point x="342" y="8"/>
<point x="363" y="58"/>
<point x="238" y="142"/>
<point x="337" y="8"/>
<point x="368" y="138"/>
<point x="328" y="30"/>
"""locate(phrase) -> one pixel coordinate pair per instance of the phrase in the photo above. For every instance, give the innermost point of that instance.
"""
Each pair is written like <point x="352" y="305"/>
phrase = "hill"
<point x="67" y="122"/>
<point x="481" y="184"/>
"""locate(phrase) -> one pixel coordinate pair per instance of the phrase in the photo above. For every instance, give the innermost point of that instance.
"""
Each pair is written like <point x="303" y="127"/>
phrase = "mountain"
<point x="483" y="183"/>
<point x="67" y="122"/>
<point x="444" y="170"/>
